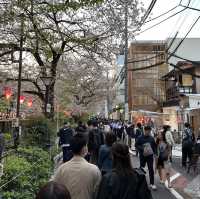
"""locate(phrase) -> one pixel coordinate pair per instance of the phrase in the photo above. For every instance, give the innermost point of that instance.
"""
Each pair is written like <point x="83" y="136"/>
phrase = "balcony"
<point x="174" y="92"/>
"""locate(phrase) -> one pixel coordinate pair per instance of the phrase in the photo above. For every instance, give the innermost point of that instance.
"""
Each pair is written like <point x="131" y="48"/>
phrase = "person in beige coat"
<point x="169" y="139"/>
<point x="77" y="175"/>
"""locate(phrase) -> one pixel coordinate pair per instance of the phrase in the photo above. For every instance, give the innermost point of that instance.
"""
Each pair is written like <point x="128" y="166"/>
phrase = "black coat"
<point x="133" y="186"/>
<point x="65" y="134"/>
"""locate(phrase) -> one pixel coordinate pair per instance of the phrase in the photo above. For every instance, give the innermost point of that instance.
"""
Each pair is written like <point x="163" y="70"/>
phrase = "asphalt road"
<point x="162" y="192"/>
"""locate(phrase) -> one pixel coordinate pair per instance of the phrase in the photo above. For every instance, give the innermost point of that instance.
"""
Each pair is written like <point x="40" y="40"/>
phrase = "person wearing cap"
<point x="147" y="148"/>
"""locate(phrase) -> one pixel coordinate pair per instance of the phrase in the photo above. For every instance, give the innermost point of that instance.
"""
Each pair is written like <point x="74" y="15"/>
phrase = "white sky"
<point x="182" y="21"/>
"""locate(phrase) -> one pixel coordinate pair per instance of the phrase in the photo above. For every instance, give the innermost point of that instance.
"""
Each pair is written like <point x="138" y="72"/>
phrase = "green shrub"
<point x="33" y="165"/>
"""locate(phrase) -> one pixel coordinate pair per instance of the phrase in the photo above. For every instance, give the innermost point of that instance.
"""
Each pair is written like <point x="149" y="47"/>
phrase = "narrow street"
<point x="162" y="191"/>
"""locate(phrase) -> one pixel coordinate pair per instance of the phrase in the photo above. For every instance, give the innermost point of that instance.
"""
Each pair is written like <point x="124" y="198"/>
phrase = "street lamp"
<point x="47" y="80"/>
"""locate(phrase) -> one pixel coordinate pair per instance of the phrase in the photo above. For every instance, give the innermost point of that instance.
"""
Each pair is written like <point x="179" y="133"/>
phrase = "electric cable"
<point x="188" y="60"/>
<point x="147" y="59"/>
<point x="150" y="8"/>
<point x="183" y="20"/>
<point x="147" y="67"/>
<point x="160" y="63"/>
<point x="182" y="40"/>
<point x="191" y="8"/>
<point x="161" y="22"/>
<point x="161" y="14"/>
<point x="184" y="71"/>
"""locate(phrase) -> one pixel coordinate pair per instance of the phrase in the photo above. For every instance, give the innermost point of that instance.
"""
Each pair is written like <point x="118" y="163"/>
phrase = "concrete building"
<point x="146" y="90"/>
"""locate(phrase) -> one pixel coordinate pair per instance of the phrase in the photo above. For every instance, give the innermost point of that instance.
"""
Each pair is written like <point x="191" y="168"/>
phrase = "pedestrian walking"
<point x="187" y="144"/>
<point x="169" y="140"/>
<point x="95" y="140"/>
<point x="105" y="157"/>
<point x="65" y="134"/>
<point x="147" y="148"/>
<point x="53" y="190"/>
<point x="130" y="131"/>
<point x="123" y="182"/>
<point x="163" y="163"/>
<point x="81" y="128"/>
<point x="80" y="177"/>
<point x="138" y="132"/>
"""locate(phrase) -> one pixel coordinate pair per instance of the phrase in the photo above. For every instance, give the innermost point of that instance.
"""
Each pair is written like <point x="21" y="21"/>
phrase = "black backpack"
<point x="97" y="139"/>
<point x="135" y="187"/>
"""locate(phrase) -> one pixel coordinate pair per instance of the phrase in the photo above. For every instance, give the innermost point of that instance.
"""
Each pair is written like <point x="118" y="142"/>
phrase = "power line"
<point x="184" y="71"/>
<point x="150" y="8"/>
<point x="161" y="21"/>
<point x="177" y="56"/>
<point x="161" y="15"/>
<point x="147" y="67"/>
<point x="190" y="8"/>
<point x="147" y="59"/>
<point x="182" y="40"/>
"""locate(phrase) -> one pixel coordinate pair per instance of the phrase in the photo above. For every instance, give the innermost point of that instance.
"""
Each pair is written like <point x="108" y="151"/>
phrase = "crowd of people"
<point x="97" y="162"/>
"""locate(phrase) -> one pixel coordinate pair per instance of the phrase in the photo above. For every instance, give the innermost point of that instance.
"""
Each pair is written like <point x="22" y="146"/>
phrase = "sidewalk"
<point x="186" y="183"/>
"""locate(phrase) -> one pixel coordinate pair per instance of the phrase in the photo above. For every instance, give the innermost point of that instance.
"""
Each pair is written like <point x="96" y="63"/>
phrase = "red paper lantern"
<point x="7" y="92"/>
<point x="30" y="102"/>
<point x="21" y="99"/>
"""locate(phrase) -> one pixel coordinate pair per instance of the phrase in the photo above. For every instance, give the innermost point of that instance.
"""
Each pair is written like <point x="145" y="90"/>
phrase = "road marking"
<point x="172" y="178"/>
<point x="172" y="190"/>
<point x="131" y="152"/>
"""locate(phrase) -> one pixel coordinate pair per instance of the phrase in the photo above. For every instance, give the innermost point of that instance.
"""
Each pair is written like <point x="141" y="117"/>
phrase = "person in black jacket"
<point x="65" y="134"/>
<point x="188" y="140"/>
<point x="123" y="182"/>
<point x="95" y="140"/>
<point x="147" y="148"/>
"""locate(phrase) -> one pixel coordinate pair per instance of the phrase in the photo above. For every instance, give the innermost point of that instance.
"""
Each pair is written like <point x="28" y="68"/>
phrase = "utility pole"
<point x="126" y="111"/>
<point x="17" y="130"/>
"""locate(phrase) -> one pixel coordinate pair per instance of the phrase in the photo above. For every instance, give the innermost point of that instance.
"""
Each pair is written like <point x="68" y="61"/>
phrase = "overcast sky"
<point x="181" y="22"/>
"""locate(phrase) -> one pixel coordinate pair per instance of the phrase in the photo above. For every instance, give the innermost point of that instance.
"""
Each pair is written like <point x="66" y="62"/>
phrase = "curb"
<point x="172" y="190"/>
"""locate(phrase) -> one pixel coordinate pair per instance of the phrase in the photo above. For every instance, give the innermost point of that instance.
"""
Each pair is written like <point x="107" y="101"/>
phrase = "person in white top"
<point x="81" y="178"/>
<point x="169" y="139"/>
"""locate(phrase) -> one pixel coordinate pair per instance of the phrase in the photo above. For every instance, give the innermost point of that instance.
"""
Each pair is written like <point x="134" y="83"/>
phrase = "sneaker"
<point x="153" y="187"/>
<point x="162" y="182"/>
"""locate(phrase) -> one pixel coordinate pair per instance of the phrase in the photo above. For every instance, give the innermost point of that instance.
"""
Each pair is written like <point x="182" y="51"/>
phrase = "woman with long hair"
<point x="105" y="157"/>
<point x="163" y="164"/>
<point x="123" y="182"/>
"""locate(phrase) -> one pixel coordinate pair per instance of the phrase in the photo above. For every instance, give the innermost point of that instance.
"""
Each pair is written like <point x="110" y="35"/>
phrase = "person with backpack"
<point x="105" y="157"/>
<point x="147" y="148"/>
<point x="65" y="134"/>
<point x="95" y="140"/>
<point x="162" y="162"/>
<point x="138" y="132"/>
<point x="53" y="190"/>
<point x="123" y="182"/>
<point x="188" y="139"/>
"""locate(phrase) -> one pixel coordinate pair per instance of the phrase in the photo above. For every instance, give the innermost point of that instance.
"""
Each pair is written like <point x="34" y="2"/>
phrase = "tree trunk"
<point x="49" y="99"/>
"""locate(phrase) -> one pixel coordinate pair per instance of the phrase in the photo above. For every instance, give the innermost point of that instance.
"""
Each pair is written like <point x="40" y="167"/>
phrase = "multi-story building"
<point x="146" y="90"/>
<point x="182" y="95"/>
